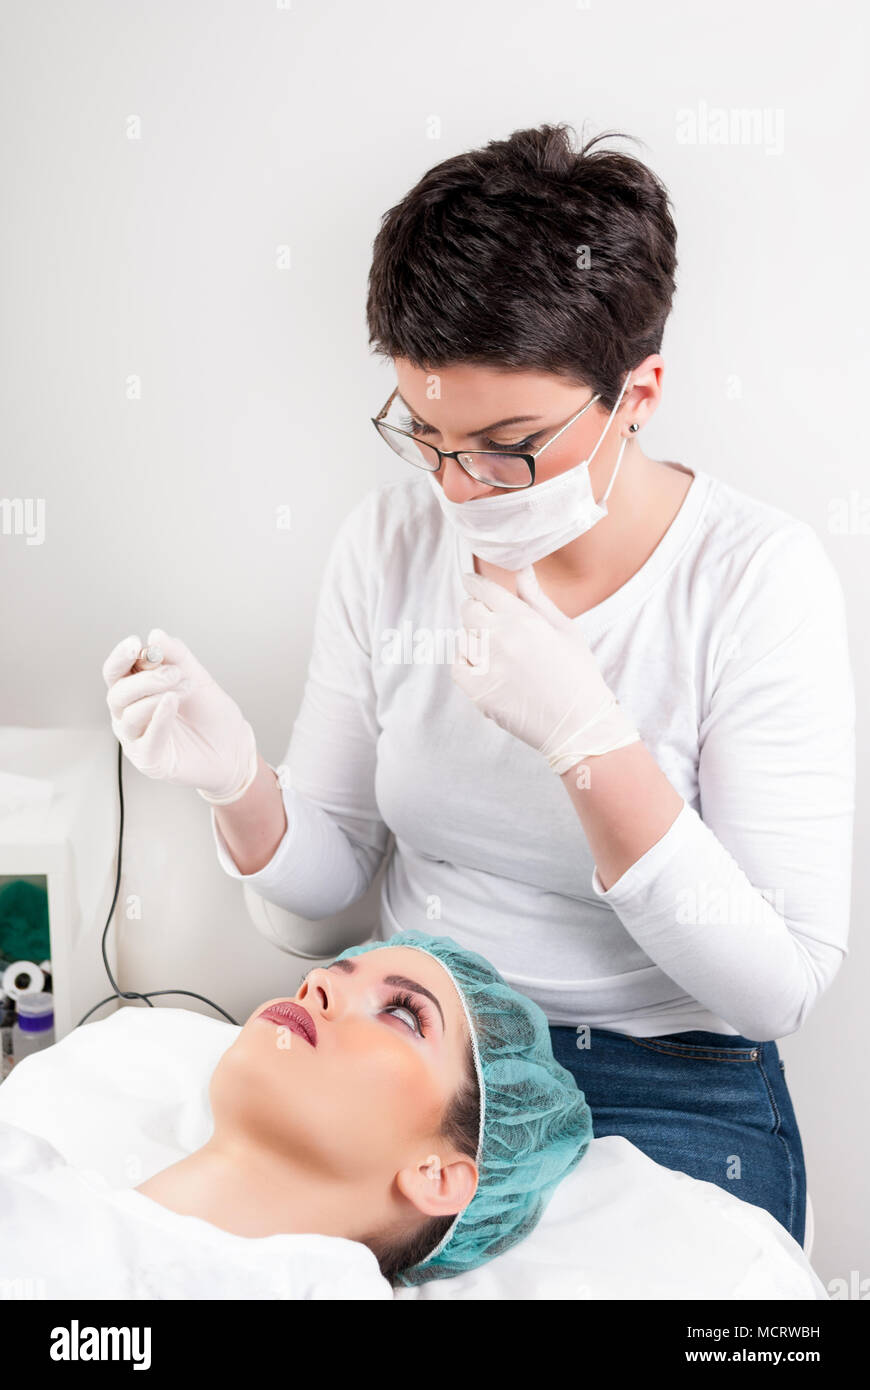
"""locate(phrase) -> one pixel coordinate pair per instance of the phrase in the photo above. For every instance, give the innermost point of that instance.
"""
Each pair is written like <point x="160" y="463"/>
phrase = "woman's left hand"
<point x="528" y="667"/>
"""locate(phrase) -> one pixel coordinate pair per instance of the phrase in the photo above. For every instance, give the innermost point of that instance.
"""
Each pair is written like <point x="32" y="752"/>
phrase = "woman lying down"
<point x="401" y="1119"/>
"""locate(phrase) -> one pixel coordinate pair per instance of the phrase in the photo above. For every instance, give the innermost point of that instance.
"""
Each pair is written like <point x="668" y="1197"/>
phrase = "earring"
<point x="634" y="428"/>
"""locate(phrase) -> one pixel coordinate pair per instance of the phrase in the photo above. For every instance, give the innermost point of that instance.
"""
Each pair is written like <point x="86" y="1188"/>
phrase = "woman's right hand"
<point x="175" y="723"/>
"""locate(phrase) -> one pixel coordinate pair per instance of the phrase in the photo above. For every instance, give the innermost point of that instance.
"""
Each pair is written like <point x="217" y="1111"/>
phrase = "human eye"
<point x="512" y="448"/>
<point x="407" y="1003"/>
<point x="415" y="426"/>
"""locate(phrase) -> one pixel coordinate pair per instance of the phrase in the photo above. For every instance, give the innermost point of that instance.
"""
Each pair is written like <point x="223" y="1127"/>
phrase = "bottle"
<point x="7" y="1019"/>
<point x="34" y="1029"/>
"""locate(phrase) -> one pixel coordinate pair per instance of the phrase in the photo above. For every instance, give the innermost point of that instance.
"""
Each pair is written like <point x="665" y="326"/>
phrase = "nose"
<point x="458" y="485"/>
<point x="316" y="992"/>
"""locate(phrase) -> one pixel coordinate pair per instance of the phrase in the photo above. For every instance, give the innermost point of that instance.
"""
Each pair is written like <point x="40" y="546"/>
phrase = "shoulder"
<point x="769" y="589"/>
<point x="755" y="551"/>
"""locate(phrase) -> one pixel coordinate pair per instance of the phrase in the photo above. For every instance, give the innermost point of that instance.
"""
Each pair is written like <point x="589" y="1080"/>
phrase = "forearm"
<point x="254" y="826"/>
<point x="694" y="910"/>
<point x="625" y="804"/>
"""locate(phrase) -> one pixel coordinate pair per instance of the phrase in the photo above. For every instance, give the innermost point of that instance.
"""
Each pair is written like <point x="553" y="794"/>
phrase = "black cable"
<point x="131" y="993"/>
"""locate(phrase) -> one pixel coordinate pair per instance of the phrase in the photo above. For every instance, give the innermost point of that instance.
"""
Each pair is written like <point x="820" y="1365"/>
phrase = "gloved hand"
<point x="528" y="668"/>
<point x="176" y="723"/>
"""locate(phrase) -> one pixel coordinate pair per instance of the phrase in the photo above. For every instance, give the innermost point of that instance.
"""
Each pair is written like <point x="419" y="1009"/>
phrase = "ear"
<point x="437" y="1188"/>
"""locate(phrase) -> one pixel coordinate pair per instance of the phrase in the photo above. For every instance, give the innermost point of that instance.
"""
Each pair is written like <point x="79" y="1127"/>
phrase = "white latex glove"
<point x="528" y="667"/>
<point x="176" y="723"/>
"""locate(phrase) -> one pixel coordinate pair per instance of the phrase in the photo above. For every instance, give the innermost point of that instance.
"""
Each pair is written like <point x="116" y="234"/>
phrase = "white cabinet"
<point x="71" y="843"/>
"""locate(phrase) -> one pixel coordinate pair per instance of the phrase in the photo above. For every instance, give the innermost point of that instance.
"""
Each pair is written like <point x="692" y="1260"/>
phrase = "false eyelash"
<point x="405" y="1001"/>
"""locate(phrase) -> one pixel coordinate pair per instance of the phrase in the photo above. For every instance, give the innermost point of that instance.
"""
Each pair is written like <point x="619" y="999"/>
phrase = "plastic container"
<point x="34" y="1027"/>
<point x="7" y="1020"/>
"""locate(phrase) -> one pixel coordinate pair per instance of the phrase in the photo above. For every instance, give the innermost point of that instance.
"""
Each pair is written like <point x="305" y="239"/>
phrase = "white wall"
<point x="156" y="257"/>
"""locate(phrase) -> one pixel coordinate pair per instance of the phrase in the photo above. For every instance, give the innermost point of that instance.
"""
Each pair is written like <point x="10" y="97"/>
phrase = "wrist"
<point x="609" y="728"/>
<point x="249" y="774"/>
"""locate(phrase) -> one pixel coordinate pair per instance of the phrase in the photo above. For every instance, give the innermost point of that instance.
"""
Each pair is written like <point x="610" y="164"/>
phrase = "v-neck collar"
<point x="598" y="618"/>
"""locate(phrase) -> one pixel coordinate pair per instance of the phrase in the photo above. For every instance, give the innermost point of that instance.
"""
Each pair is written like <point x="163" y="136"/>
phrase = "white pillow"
<point x="128" y="1095"/>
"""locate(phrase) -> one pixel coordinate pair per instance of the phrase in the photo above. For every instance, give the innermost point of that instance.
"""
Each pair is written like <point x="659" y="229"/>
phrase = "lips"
<point x="294" y="1017"/>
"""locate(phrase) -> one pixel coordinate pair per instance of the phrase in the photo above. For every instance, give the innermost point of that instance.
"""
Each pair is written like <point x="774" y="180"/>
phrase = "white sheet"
<point x="126" y="1096"/>
<point x="66" y="1233"/>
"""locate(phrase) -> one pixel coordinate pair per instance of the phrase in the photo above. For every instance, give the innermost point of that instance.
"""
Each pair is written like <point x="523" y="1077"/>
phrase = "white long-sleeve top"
<point x="729" y="649"/>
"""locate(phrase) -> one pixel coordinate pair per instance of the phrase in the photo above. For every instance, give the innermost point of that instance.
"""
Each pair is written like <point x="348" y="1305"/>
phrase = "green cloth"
<point x="24" y="922"/>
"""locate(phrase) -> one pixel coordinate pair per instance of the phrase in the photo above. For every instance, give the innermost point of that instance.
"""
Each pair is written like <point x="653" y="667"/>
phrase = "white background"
<point x="265" y="126"/>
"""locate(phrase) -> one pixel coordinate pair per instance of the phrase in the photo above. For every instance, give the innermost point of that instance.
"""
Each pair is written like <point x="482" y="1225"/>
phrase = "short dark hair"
<point x="460" y="1128"/>
<point x="479" y="262"/>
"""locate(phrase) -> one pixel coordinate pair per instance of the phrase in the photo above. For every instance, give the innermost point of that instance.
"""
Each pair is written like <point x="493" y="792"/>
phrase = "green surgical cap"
<point x="535" y="1123"/>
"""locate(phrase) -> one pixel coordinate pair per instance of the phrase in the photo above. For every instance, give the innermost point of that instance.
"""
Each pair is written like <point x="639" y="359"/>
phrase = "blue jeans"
<point x="712" y="1105"/>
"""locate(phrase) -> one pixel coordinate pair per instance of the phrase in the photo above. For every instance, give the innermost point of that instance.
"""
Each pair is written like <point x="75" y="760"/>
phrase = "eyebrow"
<point x="401" y="980"/>
<point x="488" y="429"/>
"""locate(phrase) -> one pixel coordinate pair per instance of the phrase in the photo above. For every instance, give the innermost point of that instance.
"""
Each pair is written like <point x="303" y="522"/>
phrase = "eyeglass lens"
<point x="504" y="469"/>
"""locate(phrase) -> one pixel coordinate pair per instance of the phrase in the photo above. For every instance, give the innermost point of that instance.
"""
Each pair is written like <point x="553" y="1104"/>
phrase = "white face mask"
<point x="519" y="528"/>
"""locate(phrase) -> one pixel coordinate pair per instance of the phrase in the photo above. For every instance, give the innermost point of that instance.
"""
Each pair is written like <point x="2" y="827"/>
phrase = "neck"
<point x="253" y="1191"/>
<point x="597" y="557"/>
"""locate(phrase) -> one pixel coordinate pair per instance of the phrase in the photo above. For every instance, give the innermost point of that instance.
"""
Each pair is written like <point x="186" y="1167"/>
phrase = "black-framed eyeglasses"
<point x="496" y="468"/>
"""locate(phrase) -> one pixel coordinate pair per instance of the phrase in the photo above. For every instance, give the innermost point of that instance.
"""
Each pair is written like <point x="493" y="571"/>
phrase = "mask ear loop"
<point x="622" y="447"/>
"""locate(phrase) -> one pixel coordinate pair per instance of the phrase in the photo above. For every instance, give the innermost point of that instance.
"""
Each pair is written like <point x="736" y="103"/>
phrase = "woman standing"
<point x="603" y="704"/>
